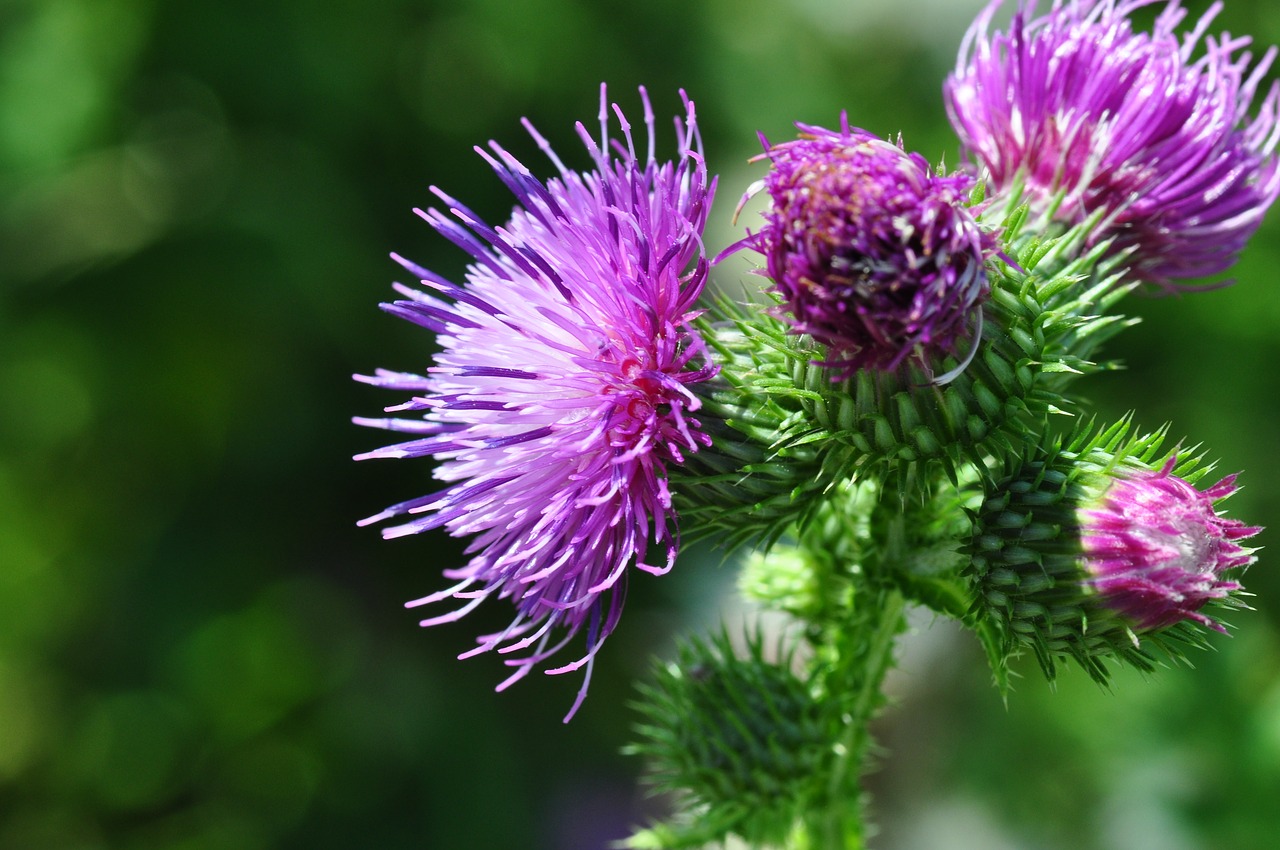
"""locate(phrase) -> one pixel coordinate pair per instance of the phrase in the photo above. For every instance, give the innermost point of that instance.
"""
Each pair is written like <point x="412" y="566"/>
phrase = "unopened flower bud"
<point x="740" y="739"/>
<point x="1085" y="557"/>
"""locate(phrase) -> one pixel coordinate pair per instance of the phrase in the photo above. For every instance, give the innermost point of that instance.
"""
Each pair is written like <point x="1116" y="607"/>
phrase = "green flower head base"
<point x="1091" y="556"/>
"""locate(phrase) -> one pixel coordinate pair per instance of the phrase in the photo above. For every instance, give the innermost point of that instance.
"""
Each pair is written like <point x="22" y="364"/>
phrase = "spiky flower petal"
<point x="873" y="254"/>
<point x="561" y="393"/>
<point x="1090" y="115"/>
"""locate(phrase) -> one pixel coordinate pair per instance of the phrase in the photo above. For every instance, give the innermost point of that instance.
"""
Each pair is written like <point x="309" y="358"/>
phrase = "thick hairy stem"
<point x="866" y="654"/>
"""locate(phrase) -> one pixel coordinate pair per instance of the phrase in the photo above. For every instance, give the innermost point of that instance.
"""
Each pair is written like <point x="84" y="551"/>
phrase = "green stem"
<point x="867" y="655"/>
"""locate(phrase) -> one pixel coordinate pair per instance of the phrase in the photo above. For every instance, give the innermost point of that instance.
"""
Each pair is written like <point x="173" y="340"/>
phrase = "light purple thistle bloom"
<point x="560" y="394"/>
<point x="1131" y="124"/>
<point x="873" y="253"/>
<point x="1156" y="549"/>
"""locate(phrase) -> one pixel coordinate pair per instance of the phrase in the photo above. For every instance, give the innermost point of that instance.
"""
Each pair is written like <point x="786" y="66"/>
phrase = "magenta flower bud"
<point x="873" y="254"/>
<point x="1157" y="551"/>
<point x="561" y="393"/>
<point x="1149" y="130"/>
<point x="1093" y="554"/>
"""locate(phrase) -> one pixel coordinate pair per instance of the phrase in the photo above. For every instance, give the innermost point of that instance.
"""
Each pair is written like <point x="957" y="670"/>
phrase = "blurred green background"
<point x="199" y="649"/>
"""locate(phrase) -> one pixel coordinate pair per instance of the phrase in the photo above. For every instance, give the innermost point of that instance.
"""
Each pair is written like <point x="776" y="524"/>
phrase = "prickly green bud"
<point x="739" y="741"/>
<point x="783" y="579"/>
<point x="1102" y="550"/>
<point x="809" y="575"/>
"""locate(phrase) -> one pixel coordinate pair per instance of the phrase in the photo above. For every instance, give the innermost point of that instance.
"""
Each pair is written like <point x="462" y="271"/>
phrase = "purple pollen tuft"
<point x="561" y="393"/>
<point x="874" y="254"/>
<point x="1130" y="125"/>
<point x="1156" y="549"/>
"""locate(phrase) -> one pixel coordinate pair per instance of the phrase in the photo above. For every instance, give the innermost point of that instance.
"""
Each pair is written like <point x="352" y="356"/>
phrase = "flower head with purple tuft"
<point x="1091" y="116"/>
<point x="1156" y="550"/>
<point x="562" y="391"/>
<point x="873" y="254"/>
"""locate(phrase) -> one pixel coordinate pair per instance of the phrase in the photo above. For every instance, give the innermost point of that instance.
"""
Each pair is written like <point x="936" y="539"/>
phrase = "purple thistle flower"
<point x="1130" y="125"/>
<point x="873" y="254"/>
<point x="1155" y="549"/>
<point x="560" y="395"/>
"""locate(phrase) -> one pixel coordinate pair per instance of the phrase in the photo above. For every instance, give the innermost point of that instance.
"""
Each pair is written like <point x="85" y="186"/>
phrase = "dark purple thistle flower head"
<point x="874" y="254"/>
<point x="561" y="392"/>
<point x="1093" y="117"/>
<point x="1156" y="550"/>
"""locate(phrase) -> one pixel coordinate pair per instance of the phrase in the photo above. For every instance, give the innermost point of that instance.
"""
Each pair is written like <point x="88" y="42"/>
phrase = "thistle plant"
<point x="891" y="422"/>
